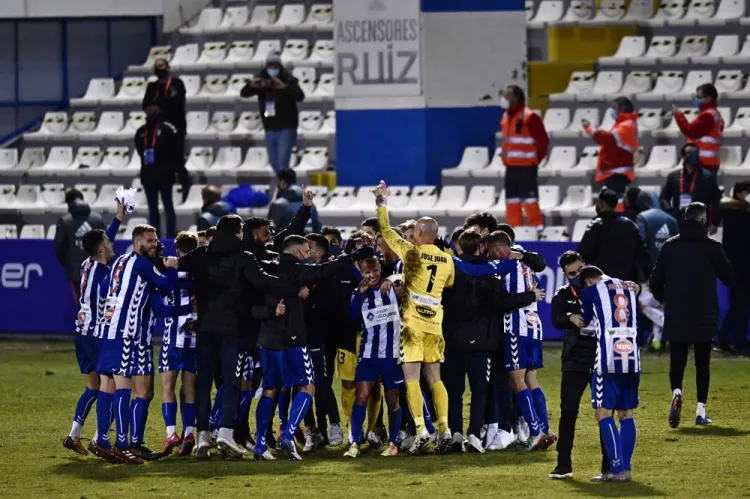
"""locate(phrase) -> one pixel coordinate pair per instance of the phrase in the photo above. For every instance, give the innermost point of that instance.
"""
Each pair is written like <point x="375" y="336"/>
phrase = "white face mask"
<point x="747" y="198"/>
<point x="504" y="103"/>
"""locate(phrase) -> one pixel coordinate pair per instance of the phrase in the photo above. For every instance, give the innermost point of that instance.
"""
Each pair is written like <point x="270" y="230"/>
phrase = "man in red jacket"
<point x="706" y="129"/>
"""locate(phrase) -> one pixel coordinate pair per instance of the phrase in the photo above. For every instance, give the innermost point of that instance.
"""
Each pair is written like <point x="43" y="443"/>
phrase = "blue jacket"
<point x="288" y="202"/>
<point x="654" y="224"/>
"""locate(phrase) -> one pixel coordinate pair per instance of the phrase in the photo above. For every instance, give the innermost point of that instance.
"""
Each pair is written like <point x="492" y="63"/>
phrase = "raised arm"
<point x="256" y="276"/>
<point x="399" y="246"/>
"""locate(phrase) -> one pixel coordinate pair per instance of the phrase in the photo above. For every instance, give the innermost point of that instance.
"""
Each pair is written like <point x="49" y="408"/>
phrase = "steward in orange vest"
<point x="706" y="129"/>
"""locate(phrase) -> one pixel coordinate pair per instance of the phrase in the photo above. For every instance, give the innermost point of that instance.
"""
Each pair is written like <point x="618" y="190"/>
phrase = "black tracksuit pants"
<point x="326" y="407"/>
<point x="457" y="366"/>
<point x="227" y="354"/>
<point x="678" y="356"/>
<point x="500" y="400"/>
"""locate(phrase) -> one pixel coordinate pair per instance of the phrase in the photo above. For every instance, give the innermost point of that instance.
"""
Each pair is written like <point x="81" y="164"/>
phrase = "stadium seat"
<point x="555" y="234"/>
<point x="185" y="56"/>
<point x="586" y="164"/>
<point x="529" y="8"/>
<point x="694" y="80"/>
<point x="132" y="224"/>
<point x="131" y="164"/>
<point x="398" y="198"/>
<point x="742" y="169"/>
<point x="481" y="198"/>
<point x="199" y="159"/>
<point x="88" y="191"/>
<point x="7" y="196"/>
<point x="51" y="231"/>
<point x="560" y="158"/>
<point x="606" y="86"/>
<point x="157" y="52"/>
<point x="105" y="200"/>
<point x="549" y="197"/>
<point x="232" y="93"/>
<point x="234" y="19"/>
<point x="8" y="231"/>
<point x="662" y="158"/>
<point x="496" y="168"/>
<point x="8" y="159"/>
<point x="451" y="197"/>
<point x="556" y="120"/>
<point x="579" y="12"/>
<point x="256" y="163"/>
<point x="109" y="126"/>
<point x="728" y="81"/>
<point x="697" y="10"/>
<point x="729" y="11"/>
<point x="650" y="119"/>
<point x="239" y="55"/>
<point x="306" y="80"/>
<point x="690" y="46"/>
<point x="578" y="230"/>
<point x="265" y="47"/>
<point x="197" y="122"/>
<point x="609" y="11"/>
<point x="473" y="158"/>
<point x="327" y="129"/>
<point x="363" y="200"/>
<point x="32" y="231"/>
<point x="221" y="127"/>
<point x="322" y="54"/>
<point x="192" y="85"/>
<point x="249" y="125"/>
<point x="98" y="89"/>
<point x="54" y="197"/>
<point x="669" y="10"/>
<point x="193" y="202"/>
<point x="422" y="197"/>
<point x="208" y="21"/>
<point x="314" y="159"/>
<point x="136" y="119"/>
<point x="29" y="198"/>
<point x="264" y="16"/>
<point x="636" y="83"/>
<point x="723" y="46"/>
<point x="325" y="88"/>
<point x="81" y="124"/>
<point x="659" y="48"/>
<point x="341" y="198"/>
<point x="309" y="121"/>
<point x="212" y="55"/>
<point x="667" y="84"/>
<point x="581" y="82"/>
<point x="291" y="16"/>
<point x="295" y="51"/>
<point x="577" y="197"/>
<point x="320" y="18"/>
<point x="132" y="90"/>
<point x="672" y="131"/>
<point x="548" y="13"/>
<point x="741" y="124"/>
<point x="31" y="157"/>
<point x="228" y="159"/>
<point x="55" y="123"/>
<point x="731" y="159"/>
<point x="59" y="160"/>
<point x="499" y="208"/>
<point x="639" y="11"/>
<point x="575" y="129"/>
<point x="630" y="46"/>
<point x="526" y="234"/>
<point x="87" y="159"/>
<point x="347" y="231"/>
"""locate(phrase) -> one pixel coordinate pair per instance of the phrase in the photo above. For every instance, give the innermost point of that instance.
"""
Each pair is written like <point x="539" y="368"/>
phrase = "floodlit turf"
<point x="41" y="384"/>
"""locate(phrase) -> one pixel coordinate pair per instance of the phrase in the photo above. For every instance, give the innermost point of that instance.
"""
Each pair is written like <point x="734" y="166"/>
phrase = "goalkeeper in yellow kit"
<point x="427" y="271"/>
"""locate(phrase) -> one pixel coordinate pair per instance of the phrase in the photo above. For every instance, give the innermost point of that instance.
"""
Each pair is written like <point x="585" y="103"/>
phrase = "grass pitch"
<point x="41" y="385"/>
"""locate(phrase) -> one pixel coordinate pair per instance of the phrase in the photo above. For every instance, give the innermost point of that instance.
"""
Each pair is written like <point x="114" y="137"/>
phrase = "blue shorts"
<point x="177" y="359"/>
<point x="522" y="352"/>
<point x="87" y="352"/>
<point x="141" y="360"/>
<point x="615" y="391"/>
<point x="386" y="370"/>
<point x="287" y="368"/>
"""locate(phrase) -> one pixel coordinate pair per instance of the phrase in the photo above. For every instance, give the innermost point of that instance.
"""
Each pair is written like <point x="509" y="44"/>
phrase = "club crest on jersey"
<point x="426" y="312"/>
<point x="81" y="318"/>
<point x="623" y="347"/>
<point x="109" y="313"/>
<point x="532" y="318"/>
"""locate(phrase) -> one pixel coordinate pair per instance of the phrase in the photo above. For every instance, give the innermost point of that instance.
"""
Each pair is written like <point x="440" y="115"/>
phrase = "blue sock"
<point x="169" y="412"/>
<point x="627" y="440"/>
<point x="301" y="403"/>
<point x="526" y="404"/>
<point x="103" y="418"/>
<point x="394" y="423"/>
<point x="122" y="417"/>
<point x="283" y="403"/>
<point x="358" y="419"/>
<point x="85" y="401"/>
<point x="263" y="417"/>
<point x="540" y="405"/>
<point x="246" y="397"/>
<point x="139" y="415"/>
<point x="187" y="411"/>
<point x="427" y="415"/>
<point x="611" y="438"/>
<point x="215" y="415"/>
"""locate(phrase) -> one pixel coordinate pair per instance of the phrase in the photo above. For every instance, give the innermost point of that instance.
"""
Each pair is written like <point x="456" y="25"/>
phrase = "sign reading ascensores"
<point x="377" y="48"/>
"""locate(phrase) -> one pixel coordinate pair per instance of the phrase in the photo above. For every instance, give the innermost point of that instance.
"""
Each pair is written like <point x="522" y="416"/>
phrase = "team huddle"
<point x="404" y="316"/>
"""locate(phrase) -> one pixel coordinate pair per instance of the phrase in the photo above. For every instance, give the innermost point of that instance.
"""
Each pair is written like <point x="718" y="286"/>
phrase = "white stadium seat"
<point x="197" y="122"/>
<point x="88" y="191"/>
<point x="265" y="47"/>
<point x="728" y="11"/>
<point x="741" y="124"/>
<point x="636" y="83"/>
<point x="690" y="46"/>
<point x="672" y="131"/>
<point x="422" y="197"/>
<point x="579" y="12"/>
<point x="697" y="10"/>
<point x="609" y="11"/>
<point x="731" y="159"/>
<point x="556" y="120"/>
<point x="228" y="159"/>
<point x="208" y="21"/>
<point x="193" y="202"/>
<point x="110" y="124"/>
<point x="549" y="12"/>
<point x="29" y="198"/>
<point x="339" y="198"/>
<point x="314" y="159"/>
<point x="650" y="119"/>
<point x="659" y="48"/>
<point x="98" y="89"/>
<point x="577" y="197"/>
<point x="398" y="198"/>
<point x="669" y="10"/>
<point x="694" y="80"/>
<point x="529" y="8"/>
<point x="291" y="15"/>
<point x="7" y="195"/>
<point x="132" y="90"/>
<point x="662" y="159"/>
<point x="221" y="127"/>
<point x="728" y="81"/>
<point x="51" y="231"/>
<point x="157" y="52"/>
<point x="31" y="157"/>
<point x="324" y="89"/>
<point x="579" y="228"/>
<point x="8" y="159"/>
<point x="54" y="197"/>
<point x="105" y="200"/>
<point x="496" y="167"/>
<point x="560" y="158"/>
<point x="264" y="16"/>
<point x="199" y="159"/>
<point x="306" y="80"/>
<point x="32" y="231"/>
<point x="549" y="197"/>
<point x="723" y="46"/>
<point x="606" y="86"/>
<point x="320" y="17"/>
<point x="586" y="163"/>
<point x="130" y="226"/>
<point x="363" y="200"/>
<point x="473" y="158"/>
<point x="742" y="56"/>
<point x="212" y="55"/>
<point x="59" y="159"/>
<point x="136" y="119"/>
<point x="54" y="123"/>
<point x="8" y="231"/>
<point x="239" y="55"/>
<point x="234" y="19"/>
<point x="630" y="46"/>
<point x="526" y="234"/>
<point x="256" y="163"/>
<point x="575" y="129"/>
<point x="451" y="197"/>
<point x="192" y="85"/>
<point x="295" y="51"/>
<point x="322" y="54"/>
<point x="88" y="158"/>
<point x="310" y="122"/>
<point x="667" y="84"/>
<point x="555" y="233"/>
<point x="185" y="56"/>
<point x="249" y="125"/>
<point x="639" y="11"/>
<point x="739" y="170"/>
<point x="81" y="123"/>
<point x="481" y="198"/>
<point x="232" y="92"/>
<point x="581" y="82"/>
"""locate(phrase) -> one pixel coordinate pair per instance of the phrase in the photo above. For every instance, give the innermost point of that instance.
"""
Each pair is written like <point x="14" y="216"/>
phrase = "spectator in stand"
<point x="654" y="224"/>
<point x="614" y="168"/>
<point x="213" y="207"/>
<point x="612" y="242"/>
<point x="706" y="129"/>
<point x="692" y="184"/>
<point x="735" y="215"/>
<point x="170" y="92"/>
<point x="525" y="143"/>
<point x="278" y="94"/>
<point x="68" y="243"/>
<point x="289" y="200"/>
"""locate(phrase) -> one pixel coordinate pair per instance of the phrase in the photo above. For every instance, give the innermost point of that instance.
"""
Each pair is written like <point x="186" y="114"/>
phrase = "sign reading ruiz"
<point x="377" y="48"/>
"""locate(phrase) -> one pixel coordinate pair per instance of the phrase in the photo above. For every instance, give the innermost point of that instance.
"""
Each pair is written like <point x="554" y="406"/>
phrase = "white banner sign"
<point x="377" y="48"/>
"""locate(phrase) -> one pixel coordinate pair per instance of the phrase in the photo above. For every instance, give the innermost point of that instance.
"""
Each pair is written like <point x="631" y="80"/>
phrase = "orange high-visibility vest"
<point x="620" y="159"/>
<point x="519" y="146"/>
<point x="710" y="145"/>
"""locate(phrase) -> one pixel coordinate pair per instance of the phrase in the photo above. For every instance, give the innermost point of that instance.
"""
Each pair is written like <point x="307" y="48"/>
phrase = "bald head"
<point x="425" y="231"/>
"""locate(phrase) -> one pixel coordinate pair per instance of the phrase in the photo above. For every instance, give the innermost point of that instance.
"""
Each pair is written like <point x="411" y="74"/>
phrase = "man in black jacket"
<point x="225" y="277"/>
<point x="278" y="94"/>
<point x="613" y="243"/>
<point x="170" y="91"/>
<point x="472" y="332"/>
<point x="283" y="341"/>
<point x="578" y="353"/>
<point x="684" y="280"/>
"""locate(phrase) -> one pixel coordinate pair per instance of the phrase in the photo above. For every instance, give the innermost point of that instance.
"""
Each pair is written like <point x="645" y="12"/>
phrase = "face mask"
<point x="693" y="159"/>
<point x="335" y="250"/>
<point x="612" y="112"/>
<point x="747" y="198"/>
<point x="152" y="117"/>
<point x="273" y="72"/>
<point x="698" y="102"/>
<point x="161" y="72"/>
<point x="504" y="103"/>
<point x="575" y="282"/>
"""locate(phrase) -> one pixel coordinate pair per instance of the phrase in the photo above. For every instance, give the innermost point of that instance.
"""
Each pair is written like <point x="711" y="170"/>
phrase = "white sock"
<point x="171" y="430"/>
<point x="204" y="437"/>
<point x="189" y="430"/>
<point x="701" y="411"/>
<point x="96" y="436"/>
<point x="75" y="431"/>
<point x="657" y="333"/>
<point x="676" y="392"/>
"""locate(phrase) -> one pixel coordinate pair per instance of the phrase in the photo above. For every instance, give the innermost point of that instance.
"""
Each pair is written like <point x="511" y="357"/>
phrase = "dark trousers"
<point x="500" y="406"/>
<point x="734" y="329"/>
<point x="678" y="356"/>
<point x="152" y="192"/>
<point x="326" y="407"/>
<point x="224" y="352"/>
<point x="458" y="365"/>
<point x="572" y="388"/>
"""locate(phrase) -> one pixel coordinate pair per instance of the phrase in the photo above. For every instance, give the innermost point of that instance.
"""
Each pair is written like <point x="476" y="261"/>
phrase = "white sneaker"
<point x="373" y="440"/>
<point x="225" y="441"/>
<point x="309" y="444"/>
<point x="420" y="442"/>
<point x="266" y="456"/>
<point x="250" y="446"/>
<point x="402" y="435"/>
<point x="433" y="438"/>
<point x="406" y="442"/>
<point x="475" y="444"/>
<point x="458" y="444"/>
<point x="335" y="435"/>
<point x="522" y="432"/>
<point x="483" y="431"/>
<point x="204" y="444"/>
<point x="503" y="440"/>
<point x="489" y="436"/>
<point x="535" y="442"/>
<point x="444" y="442"/>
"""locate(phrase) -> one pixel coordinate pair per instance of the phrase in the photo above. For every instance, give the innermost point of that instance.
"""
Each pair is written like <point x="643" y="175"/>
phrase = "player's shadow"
<point x="611" y="489"/>
<point x="712" y="431"/>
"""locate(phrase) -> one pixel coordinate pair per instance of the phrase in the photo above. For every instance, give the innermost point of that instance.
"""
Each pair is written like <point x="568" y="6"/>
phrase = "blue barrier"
<point x="37" y="299"/>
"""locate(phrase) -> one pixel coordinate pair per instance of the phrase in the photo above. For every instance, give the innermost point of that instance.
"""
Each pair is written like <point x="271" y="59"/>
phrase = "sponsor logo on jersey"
<point x="623" y="347"/>
<point x="426" y="311"/>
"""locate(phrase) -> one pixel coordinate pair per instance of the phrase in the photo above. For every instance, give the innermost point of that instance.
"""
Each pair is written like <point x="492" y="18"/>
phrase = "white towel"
<point x="126" y="197"/>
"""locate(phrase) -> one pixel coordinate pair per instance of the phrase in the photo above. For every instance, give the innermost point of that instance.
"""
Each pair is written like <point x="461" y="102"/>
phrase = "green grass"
<point x="41" y="384"/>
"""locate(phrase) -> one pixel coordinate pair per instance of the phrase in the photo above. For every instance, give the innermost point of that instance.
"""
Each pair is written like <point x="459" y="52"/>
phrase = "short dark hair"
<point x="499" y="237"/>
<point x="186" y="241"/>
<point x="482" y="219"/>
<point x="201" y="233"/>
<point x="569" y="257"/>
<point x="589" y="272"/>
<point x="741" y="186"/>
<point x="72" y="195"/>
<point x="254" y="223"/>
<point x="709" y="90"/>
<point x="332" y="231"/>
<point x="320" y="240"/>
<point x="508" y="231"/>
<point x="686" y="146"/>
<point x="139" y="230"/>
<point x="609" y="197"/>
<point x="351" y="242"/>
<point x="91" y="241"/>
<point x="210" y="194"/>
<point x="695" y="211"/>
<point x="293" y="241"/>
<point x="287" y="175"/>
<point x="211" y="232"/>
<point x="371" y="222"/>
<point x="456" y="235"/>
<point x="470" y="241"/>
<point x="518" y="93"/>
<point x="229" y="224"/>
<point x="408" y="224"/>
<point x="632" y="195"/>
<point x="624" y="105"/>
<point x="371" y="261"/>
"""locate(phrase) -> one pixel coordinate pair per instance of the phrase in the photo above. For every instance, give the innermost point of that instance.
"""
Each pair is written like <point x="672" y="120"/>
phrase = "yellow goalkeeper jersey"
<point x="427" y="271"/>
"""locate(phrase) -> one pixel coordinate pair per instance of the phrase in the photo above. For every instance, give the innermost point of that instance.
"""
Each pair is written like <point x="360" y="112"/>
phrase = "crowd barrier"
<point x="37" y="299"/>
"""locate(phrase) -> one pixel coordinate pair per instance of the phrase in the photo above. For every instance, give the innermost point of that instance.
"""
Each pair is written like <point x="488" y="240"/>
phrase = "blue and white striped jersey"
<point x="91" y="303"/>
<point x="128" y="293"/>
<point x="609" y="307"/>
<point x="524" y="322"/>
<point x="398" y="267"/>
<point x="177" y="331"/>
<point x="381" y="323"/>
